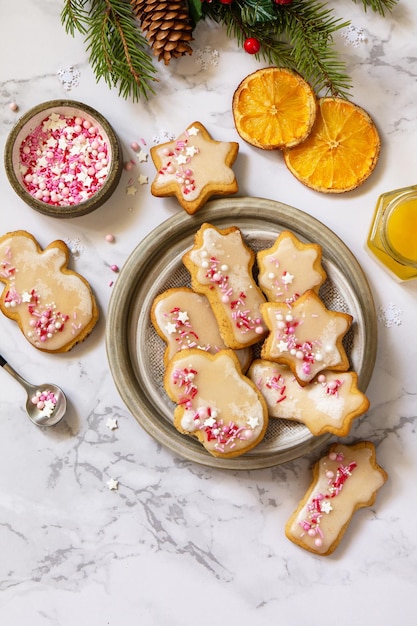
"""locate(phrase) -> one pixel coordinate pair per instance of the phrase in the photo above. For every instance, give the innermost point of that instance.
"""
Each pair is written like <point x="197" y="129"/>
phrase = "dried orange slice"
<point x="341" y="150"/>
<point x="274" y="108"/>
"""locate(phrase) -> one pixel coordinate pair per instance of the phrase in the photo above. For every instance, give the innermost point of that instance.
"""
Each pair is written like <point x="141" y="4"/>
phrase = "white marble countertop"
<point x="179" y="543"/>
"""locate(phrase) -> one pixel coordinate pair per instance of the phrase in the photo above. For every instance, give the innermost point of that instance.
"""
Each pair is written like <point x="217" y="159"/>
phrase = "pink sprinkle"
<point x="135" y="146"/>
<point x="110" y="238"/>
<point x="13" y="107"/>
<point x="59" y="161"/>
<point x="114" y="268"/>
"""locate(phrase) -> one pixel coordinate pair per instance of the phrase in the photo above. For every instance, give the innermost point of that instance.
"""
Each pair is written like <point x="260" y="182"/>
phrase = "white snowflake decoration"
<point x="163" y="137"/>
<point x="69" y="77"/>
<point x="389" y="315"/>
<point x="207" y="57"/>
<point x="353" y="35"/>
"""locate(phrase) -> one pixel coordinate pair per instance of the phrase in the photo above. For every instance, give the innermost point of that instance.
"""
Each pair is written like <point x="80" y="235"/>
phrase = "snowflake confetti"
<point x="389" y="315"/>
<point x="75" y="246"/>
<point x="163" y="137"/>
<point x="207" y="57"/>
<point x="69" y="77"/>
<point x="353" y="36"/>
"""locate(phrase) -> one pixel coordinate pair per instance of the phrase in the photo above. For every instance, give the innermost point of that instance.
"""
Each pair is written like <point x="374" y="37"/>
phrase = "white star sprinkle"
<point x="112" y="423"/>
<point x="283" y="346"/>
<point x="170" y="328"/>
<point x="142" y="179"/>
<point x="131" y="190"/>
<point x="181" y="159"/>
<point x="112" y="484"/>
<point x="191" y="151"/>
<point x="183" y="316"/>
<point x="253" y="422"/>
<point x="326" y="507"/>
<point x="193" y="130"/>
<point x="26" y="296"/>
<point x="142" y="156"/>
<point x="287" y="278"/>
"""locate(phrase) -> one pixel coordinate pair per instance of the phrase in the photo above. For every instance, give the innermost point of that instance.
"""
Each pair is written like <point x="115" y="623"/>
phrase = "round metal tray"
<point x="135" y="351"/>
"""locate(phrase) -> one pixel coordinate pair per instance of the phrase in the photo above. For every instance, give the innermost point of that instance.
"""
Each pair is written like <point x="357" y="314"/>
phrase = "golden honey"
<point x="392" y="237"/>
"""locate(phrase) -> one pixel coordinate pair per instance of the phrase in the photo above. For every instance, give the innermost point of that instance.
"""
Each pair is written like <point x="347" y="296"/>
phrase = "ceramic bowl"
<point x="63" y="158"/>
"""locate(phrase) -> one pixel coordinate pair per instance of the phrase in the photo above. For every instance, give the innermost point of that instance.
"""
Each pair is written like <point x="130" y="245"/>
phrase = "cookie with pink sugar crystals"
<point x="344" y="480"/>
<point x="216" y="403"/>
<point x="194" y="167"/>
<point x="53" y="305"/>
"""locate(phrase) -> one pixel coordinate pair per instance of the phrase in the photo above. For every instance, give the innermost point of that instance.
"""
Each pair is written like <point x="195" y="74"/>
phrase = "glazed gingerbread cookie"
<point x="194" y="167"/>
<point x="306" y="336"/>
<point x="53" y="305"/>
<point x="289" y="268"/>
<point x="327" y="405"/>
<point x="216" y="403"/>
<point x="184" y="319"/>
<point x="220" y="264"/>
<point x="344" y="480"/>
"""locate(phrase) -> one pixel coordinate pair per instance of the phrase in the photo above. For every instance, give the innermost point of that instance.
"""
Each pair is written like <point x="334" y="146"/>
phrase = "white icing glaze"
<point x="193" y="161"/>
<point x="53" y="306"/>
<point x="223" y="265"/>
<point x="345" y="480"/>
<point x="327" y="405"/>
<point x="186" y="320"/>
<point x="306" y="336"/>
<point x="286" y="270"/>
<point x="215" y="402"/>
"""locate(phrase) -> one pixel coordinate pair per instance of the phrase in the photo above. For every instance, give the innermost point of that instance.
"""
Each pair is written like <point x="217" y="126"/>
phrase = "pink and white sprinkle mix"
<point x="45" y="401"/>
<point x="64" y="160"/>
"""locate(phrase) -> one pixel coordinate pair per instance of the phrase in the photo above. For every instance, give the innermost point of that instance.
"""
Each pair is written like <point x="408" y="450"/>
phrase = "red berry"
<point x="252" y="45"/>
<point x="226" y="1"/>
<point x="283" y="1"/>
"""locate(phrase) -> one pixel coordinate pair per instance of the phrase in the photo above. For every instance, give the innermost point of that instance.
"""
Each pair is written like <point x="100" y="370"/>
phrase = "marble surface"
<point x="178" y="543"/>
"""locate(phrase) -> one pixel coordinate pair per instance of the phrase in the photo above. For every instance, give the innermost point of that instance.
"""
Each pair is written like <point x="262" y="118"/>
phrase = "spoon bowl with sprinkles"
<point x="46" y="404"/>
<point x="63" y="158"/>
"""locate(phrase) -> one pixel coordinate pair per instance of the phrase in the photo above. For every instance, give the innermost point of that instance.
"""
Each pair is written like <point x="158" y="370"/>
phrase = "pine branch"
<point x="118" y="52"/>
<point x="378" y="6"/>
<point x="298" y="36"/>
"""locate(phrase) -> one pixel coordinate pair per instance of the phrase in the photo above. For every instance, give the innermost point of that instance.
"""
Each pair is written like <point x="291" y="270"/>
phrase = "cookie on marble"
<point x="194" y="167"/>
<point x="306" y="336"/>
<point x="344" y="480"/>
<point x="220" y="264"/>
<point x="289" y="268"/>
<point x="327" y="405"/>
<point x="53" y="305"/>
<point x="216" y="403"/>
<point x="184" y="319"/>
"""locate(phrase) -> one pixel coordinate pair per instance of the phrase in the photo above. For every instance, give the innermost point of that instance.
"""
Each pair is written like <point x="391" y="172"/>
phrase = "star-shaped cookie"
<point x="289" y="268"/>
<point x="193" y="167"/>
<point x="306" y="336"/>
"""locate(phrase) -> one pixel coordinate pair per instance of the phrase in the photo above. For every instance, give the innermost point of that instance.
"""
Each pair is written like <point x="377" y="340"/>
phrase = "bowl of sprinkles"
<point x="63" y="158"/>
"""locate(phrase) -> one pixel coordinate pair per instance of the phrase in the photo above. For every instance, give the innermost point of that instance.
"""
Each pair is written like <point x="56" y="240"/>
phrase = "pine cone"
<point x="167" y="27"/>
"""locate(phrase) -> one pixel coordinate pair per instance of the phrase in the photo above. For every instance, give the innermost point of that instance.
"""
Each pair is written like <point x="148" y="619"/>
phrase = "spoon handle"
<point x="5" y="365"/>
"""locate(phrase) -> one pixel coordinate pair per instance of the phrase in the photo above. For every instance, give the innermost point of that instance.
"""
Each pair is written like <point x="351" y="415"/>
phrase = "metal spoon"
<point x="57" y="402"/>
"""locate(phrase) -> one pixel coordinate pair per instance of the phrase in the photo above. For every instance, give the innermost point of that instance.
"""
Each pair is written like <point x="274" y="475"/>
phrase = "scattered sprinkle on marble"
<point x="389" y="315"/>
<point x="112" y="423"/>
<point x="142" y="156"/>
<point x="110" y="238"/>
<point x="13" y="107"/>
<point x="131" y="190"/>
<point x="69" y="77"/>
<point x="114" y="268"/>
<point x="113" y="484"/>
<point x="128" y="165"/>
<point x="206" y="57"/>
<point x="142" y="179"/>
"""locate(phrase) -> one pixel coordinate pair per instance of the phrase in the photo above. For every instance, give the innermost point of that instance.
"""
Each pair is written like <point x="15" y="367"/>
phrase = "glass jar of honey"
<point x="392" y="237"/>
